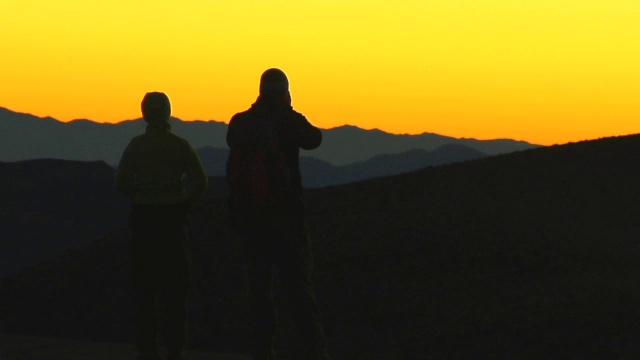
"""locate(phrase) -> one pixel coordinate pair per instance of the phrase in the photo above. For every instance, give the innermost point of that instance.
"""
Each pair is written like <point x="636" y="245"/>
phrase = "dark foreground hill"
<point x="47" y="206"/>
<point x="531" y="255"/>
<point x="15" y="347"/>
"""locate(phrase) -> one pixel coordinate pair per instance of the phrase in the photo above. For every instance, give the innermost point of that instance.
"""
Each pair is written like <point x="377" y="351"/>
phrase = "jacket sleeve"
<point x="197" y="176"/>
<point x="125" y="173"/>
<point x="308" y="136"/>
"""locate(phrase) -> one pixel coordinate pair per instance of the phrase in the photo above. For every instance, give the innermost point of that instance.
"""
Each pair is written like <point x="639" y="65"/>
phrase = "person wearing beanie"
<point x="272" y="225"/>
<point x="150" y="174"/>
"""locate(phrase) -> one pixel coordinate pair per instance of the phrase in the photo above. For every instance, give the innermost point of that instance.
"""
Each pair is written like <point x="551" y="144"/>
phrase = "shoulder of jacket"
<point x="241" y="116"/>
<point x="182" y="141"/>
<point x="136" y="140"/>
<point x="298" y="116"/>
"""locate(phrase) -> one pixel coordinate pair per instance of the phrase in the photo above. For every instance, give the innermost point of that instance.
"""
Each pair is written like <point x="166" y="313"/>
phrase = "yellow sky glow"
<point x="545" y="71"/>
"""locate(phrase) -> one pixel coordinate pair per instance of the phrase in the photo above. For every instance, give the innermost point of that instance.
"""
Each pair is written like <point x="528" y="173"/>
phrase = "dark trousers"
<point x="283" y="242"/>
<point x="160" y="268"/>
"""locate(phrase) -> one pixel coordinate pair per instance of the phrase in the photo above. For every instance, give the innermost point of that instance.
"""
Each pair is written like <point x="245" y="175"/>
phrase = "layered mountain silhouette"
<point x="528" y="255"/>
<point x="347" y="144"/>
<point x="29" y="137"/>
<point x="319" y="173"/>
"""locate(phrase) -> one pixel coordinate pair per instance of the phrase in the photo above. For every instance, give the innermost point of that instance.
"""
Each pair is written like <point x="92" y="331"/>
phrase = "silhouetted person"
<point x="266" y="201"/>
<point x="150" y="173"/>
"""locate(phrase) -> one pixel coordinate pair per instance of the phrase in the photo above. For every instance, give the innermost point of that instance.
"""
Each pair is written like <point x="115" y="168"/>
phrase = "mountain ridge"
<point x="27" y="137"/>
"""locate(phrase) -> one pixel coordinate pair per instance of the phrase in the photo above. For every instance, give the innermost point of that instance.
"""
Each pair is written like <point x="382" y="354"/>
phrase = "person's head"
<point x="156" y="108"/>
<point x="274" y="85"/>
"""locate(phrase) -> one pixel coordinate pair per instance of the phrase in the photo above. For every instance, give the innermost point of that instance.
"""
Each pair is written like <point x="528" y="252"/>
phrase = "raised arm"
<point x="308" y="136"/>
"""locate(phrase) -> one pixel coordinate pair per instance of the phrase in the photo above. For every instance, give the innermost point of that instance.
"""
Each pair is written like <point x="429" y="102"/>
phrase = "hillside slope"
<point x="530" y="255"/>
<point x="47" y="206"/>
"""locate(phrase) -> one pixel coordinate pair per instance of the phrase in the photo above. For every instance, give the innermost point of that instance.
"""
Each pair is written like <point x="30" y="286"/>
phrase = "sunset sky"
<point x="544" y="71"/>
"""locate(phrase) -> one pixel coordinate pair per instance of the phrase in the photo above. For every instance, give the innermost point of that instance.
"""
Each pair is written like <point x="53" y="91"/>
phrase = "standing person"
<point x="263" y="174"/>
<point x="150" y="174"/>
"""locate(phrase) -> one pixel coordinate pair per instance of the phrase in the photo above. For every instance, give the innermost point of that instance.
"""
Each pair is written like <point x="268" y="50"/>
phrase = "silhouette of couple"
<point x="266" y="204"/>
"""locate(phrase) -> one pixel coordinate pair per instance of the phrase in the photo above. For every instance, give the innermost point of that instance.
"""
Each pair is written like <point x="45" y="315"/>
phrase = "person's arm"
<point x="125" y="173"/>
<point x="308" y="136"/>
<point x="197" y="176"/>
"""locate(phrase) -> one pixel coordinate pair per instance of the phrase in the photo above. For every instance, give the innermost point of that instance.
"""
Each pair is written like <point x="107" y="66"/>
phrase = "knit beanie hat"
<point x="273" y="82"/>
<point x="156" y="107"/>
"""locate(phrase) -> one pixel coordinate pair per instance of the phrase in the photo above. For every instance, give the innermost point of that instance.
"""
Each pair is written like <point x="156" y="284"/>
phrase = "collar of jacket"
<point x="264" y="106"/>
<point x="157" y="127"/>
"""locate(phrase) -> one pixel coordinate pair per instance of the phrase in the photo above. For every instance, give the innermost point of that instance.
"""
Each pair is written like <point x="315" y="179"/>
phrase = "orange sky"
<point x="544" y="71"/>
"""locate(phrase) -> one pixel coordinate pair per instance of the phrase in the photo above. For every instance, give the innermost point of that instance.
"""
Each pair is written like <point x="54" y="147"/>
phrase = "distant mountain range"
<point x="25" y="137"/>
<point x="319" y="173"/>
<point x="528" y="255"/>
<point x="348" y="144"/>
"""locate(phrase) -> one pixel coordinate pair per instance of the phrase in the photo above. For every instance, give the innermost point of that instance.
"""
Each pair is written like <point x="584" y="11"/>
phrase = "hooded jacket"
<point x="153" y="164"/>
<point x="253" y="127"/>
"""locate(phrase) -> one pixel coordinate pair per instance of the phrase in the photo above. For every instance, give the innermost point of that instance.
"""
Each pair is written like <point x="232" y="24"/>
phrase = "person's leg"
<point x="263" y="310"/>
<point x="262" y="306"/>
<point x="177" y="279"/>
<point x="145" y="276"/>
<point x="294" y="258"/>
<point x="147" y="329"/>
<point x="176" y="324"/>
